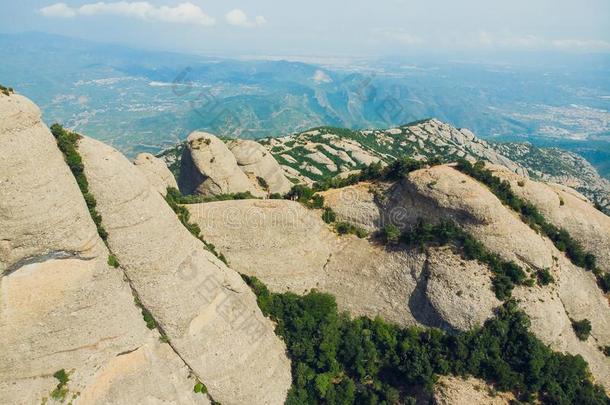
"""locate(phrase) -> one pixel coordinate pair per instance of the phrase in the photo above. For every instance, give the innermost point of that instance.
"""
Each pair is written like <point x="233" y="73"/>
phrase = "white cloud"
<point x="400" y="35"/>
<point x="239" y="18"/>
<point x="533" y="42"/>
<point x="184" y="13"/>
<point x="60" y="10"/>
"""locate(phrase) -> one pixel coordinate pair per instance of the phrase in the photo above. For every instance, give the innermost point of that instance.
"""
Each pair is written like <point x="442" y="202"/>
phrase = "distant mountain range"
<point x="147" y="100"/>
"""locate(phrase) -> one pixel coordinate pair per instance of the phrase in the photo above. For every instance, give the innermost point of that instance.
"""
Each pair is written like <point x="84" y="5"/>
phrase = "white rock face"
<point x="290" y="248"/>
<point x="566" y="209"/>
<point x="156" y="172"/>
<point x="61" y="305"/>
<point x="207" y="311"/>
<point x="209" y="168"/>
<point x="460" y="291"/>
<point x="255" y="161"/>
<point x="355" y="204"/>
<point x="442" y="192"/>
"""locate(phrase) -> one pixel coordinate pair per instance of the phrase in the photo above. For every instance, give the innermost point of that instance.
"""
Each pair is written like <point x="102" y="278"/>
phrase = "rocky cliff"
<point x="75" y="309"/>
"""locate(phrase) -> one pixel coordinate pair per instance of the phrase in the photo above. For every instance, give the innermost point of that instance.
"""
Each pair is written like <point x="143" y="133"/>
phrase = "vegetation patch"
<point x="61" y="390"/>
<point x="337" y="360"/>
<point x="329" y="216"/>
<point x="67" y="143"/>
<point x="582" y="328"/>
<point x="7" y="91"/>
<point x="345" y="228"/>
<point x="263" y="183"/>
<point x="173" y="197"/>
<point x="531" y="216"/>
<point x="182" y="199"/>
<point x="200" y="388"/>
<point x="544" y="277"/>
<point x="113" y="261"/>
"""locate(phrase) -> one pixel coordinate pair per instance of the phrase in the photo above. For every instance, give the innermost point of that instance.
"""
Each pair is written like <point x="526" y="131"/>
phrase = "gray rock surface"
<point x="207" y="311"/>
<point x="156" y="172"/>
<point x="566" y="209"/>
<point x="61" y="305"/>
<point x="290" y="248"/>
<point x="255" y="161"/>
<point x="209" y="168"/>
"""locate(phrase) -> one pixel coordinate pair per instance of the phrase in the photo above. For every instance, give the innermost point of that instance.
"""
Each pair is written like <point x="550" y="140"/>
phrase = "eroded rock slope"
<point x="61" y="306"/>
<point x="206" y="310"/>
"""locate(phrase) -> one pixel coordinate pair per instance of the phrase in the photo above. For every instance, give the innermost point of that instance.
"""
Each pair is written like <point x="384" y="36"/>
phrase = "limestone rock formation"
<point x="256" y="162"/>
<point x="458" y="290"/>
<point x="209" y="168"/>
<point x="156" y="172"/>
<point x="290" y="248"/>
<point x="61" y="306"/>
<point x="567" y="209"/>
<point x="207" y="311"/>
<point x="443" y="192"/>
<point x="356" y="205"/>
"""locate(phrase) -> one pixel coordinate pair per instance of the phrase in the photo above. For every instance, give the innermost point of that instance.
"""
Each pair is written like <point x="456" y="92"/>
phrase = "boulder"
<point x="156" y="172"/>
<point x="209" y="314"/>
<point x="255" y="161"/>
<point x="209" y="168"/>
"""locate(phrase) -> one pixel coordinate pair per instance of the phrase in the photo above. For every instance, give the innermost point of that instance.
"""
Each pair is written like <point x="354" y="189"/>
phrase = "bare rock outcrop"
<point x="209" y="168"/>
<point x="472" y="391"/>
<point x="61" y="306"/>
<point x="256" y="162"/>
<point x="207" y="311"/>
<point x="156" y="172"/>
<point x="442" y="192"/>
<point x="290" y="248"/>
<point x="355" y="204"/>
<point x="566" y="209"/>
<point x="459" y="290"/>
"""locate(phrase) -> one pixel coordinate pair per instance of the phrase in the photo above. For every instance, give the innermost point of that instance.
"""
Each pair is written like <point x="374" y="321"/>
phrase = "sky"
<point x="356" y="28"/>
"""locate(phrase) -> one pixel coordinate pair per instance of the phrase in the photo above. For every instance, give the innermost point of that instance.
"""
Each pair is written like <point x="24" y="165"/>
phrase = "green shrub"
<point x="200" y="388"/>
<point x="345" y="228"/>
<point x="7" y="91"/>
<point x="263" y="183"/>
<point x="113" y="261"/>
<point x="390" y="234"/>
<point x="61" y="390"/>
<point x="582" y="328"/>
<point x="329" y="216"/>
<point x="544" y="277"/>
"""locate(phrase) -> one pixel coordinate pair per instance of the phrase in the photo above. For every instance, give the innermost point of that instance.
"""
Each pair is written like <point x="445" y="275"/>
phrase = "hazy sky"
<point x="322" y="27"/>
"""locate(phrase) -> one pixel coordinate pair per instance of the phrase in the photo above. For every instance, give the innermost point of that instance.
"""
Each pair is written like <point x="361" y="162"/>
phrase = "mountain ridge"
<point x="321" y="152"/>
